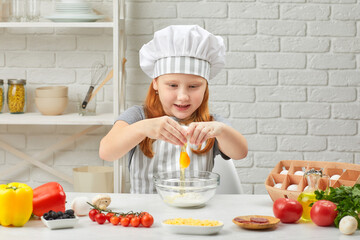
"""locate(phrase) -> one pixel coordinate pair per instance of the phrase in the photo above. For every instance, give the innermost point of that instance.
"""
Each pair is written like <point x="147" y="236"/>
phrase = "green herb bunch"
<point x="347" y="200"/>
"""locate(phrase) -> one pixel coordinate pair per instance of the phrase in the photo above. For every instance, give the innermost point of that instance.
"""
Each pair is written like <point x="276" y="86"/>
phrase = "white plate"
<point x="60" y="223"/>
<point x="75" y="18"/>
<point x="193" y="230"/>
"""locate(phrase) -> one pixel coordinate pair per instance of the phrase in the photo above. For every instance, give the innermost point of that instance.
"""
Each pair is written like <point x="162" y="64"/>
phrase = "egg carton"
<point x="286" y="180"/>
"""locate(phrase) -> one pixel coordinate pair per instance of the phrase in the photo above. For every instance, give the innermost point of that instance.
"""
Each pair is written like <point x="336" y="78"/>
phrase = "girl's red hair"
<point x="153" y="108"/>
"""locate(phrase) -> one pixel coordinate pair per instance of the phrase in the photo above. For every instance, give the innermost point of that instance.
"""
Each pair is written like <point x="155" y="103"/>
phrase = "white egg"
<point x="300" y="173"/>
<point x="284" y="172"/>
<point x="348" y="225"/>
<point x="307" y="187"/>
<point x="80" y="206"/>
<point x="278" y="185"/>
<point x="292" y="187"/>
<point x="335" y="177"/>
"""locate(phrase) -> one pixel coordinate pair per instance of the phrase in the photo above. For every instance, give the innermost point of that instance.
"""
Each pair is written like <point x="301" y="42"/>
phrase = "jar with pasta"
<point x="16" y="95"/>
<point x="1" y="95"/>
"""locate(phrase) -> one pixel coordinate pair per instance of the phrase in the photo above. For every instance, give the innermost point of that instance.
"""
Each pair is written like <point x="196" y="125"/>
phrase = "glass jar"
<point x="1" y="95"/>
<point x="16" y="95"/>
<point x="33" y="10"/>
<point x="4" y="10"/>
<point x="18" y="10"/>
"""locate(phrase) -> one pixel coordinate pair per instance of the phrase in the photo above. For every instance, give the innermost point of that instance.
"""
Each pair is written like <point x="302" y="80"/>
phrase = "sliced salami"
<point x="240" y="220"/>
<point x="259" y="220"/>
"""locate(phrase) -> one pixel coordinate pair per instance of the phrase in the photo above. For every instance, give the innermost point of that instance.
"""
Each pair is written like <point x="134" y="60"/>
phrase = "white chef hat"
<point x="187" y="49"/>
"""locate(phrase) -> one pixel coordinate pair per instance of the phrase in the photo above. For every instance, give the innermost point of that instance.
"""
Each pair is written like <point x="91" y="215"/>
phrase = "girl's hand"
<point x="199" y="132"/>
<point x="167" y="129"/>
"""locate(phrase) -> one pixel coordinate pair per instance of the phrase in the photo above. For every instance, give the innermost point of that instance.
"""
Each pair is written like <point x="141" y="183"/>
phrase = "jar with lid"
<point x="16" y="95"/>
<point x="1" y="95"/>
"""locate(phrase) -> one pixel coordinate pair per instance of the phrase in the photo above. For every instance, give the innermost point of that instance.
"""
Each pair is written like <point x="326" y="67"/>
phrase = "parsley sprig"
<point x="347" y="200"/>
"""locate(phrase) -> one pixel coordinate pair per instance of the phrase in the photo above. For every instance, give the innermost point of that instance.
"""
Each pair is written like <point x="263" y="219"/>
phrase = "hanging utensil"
<point x="97" y="72"/>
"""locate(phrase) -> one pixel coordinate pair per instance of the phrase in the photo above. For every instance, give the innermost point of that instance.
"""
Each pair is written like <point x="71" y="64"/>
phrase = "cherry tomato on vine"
<point x="115" y="220"/>
<point x="130" y="216"/>
<point x="109" y="215"/>
<point x="143" y="213"/>
<point x="93" y="213"/>
<point x="147" y="220"/>
<point x="135" y="221"/>
<point x="100" y="218"/>
<point x="125" y="221"/>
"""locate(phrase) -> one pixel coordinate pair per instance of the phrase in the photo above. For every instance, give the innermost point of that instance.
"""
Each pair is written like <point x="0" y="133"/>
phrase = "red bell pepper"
<point x="49" y="196"/>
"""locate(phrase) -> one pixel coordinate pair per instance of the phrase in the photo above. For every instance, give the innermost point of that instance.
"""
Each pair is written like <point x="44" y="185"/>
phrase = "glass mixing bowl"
<point x="197" y="188"/>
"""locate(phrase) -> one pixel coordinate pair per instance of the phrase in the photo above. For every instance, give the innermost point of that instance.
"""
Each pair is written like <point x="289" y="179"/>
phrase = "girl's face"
<point x="180" y="94"/>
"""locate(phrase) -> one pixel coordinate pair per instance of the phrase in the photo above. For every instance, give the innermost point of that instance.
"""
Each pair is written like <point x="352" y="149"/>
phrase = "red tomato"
<point x="135" y="221"/>
<point x="92" y="214"/>
<point x="287" y="210"/>
<point x="115" y="220"/>
<point x="100" y="218"/>
<point x="130" y="216"/>
<point x="125" y="221"/>
<point x="143" y="213"/>
<point x="323" y="213"/>
<point x="147" y="220"/>
<point x="109" y="215"/>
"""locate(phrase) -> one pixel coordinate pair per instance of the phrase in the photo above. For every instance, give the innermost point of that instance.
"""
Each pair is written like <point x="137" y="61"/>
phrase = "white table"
<point x="221" y="207"/>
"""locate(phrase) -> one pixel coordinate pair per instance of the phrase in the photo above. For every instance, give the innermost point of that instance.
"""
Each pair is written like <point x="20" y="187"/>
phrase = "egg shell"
<point x="292" y="187"/>
<point x="300" y="173"/>
<point x="335" y="177"/>
<point x="278" y="185"/>
<point x="284" y="172"/>
<point x="80" y="206"/>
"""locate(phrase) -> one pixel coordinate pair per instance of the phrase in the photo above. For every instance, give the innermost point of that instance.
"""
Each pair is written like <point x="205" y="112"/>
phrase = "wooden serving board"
<point x="254" y="225"/>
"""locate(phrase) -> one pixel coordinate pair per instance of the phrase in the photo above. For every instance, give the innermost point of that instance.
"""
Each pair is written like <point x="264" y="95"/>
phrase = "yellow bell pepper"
<point x="16" y="204"/>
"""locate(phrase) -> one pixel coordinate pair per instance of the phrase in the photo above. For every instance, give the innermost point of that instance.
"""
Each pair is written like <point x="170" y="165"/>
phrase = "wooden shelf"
<point x="56" y="24"/>
<point x="117" y="25"/>
<point x="65" y="119"/>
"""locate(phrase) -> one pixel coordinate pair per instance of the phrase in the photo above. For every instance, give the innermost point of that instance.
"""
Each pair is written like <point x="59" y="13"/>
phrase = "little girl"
<point x="181" y="60"/>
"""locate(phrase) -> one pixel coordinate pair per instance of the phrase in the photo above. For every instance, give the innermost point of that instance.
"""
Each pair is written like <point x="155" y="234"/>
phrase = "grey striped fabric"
<point x="142" y="169"/>
<point x="182" y="64"/>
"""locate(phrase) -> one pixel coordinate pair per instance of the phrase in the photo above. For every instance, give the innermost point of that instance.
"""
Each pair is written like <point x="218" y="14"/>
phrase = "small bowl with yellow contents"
<point x="192" y="226"/>
<point x="194" y="190"/>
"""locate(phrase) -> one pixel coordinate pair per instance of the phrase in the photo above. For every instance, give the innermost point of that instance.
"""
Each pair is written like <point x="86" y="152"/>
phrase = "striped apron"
<point x="166" y="159"/>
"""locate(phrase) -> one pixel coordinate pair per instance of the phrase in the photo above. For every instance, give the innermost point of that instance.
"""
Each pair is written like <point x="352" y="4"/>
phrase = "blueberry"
<point x="53" y="215"/>
<point x="70" y="212"/>
<point x="46" y="216"/>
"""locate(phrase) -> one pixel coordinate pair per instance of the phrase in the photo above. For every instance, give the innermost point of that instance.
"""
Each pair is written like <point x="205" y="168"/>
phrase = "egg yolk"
<point x="184" y="160"/>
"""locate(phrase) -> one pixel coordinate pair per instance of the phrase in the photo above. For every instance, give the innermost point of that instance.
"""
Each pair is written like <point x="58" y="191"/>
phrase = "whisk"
<point x="97" y="72"/>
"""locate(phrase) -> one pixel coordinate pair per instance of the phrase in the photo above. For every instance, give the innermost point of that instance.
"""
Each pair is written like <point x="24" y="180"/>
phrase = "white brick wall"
<point x="291" y="83"/>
